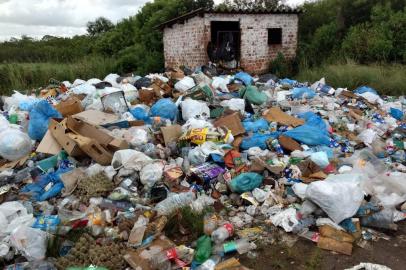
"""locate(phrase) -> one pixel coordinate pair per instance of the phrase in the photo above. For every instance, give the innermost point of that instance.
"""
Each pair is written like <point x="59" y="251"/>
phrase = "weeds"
<point x="387" y="79"/>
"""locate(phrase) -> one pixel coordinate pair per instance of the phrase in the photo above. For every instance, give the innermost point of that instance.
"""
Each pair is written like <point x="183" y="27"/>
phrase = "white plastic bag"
<point x="32" y="243"/>
<point x="234" y="104"/>
<point x="136" y="136"/>
<point x="300" y="190"/>
<point x="285" y="219"/>
<point x="130" y="159"/>
<point x="196" y="123"/>
<point x="112" y="79"/>
<point x="194" y="109"/>
<point x="185" y="84"/>
<point x="14" y="144"/>
<point x="340" y="196"/>
<point x="220" y="83"/>
<point x="151" y="173"/>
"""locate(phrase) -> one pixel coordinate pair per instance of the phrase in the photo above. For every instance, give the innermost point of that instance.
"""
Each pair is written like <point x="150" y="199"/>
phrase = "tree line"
<point x="365" y="31"/>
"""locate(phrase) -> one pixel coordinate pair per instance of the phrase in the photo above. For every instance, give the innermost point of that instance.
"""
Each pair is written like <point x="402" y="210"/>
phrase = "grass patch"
<point x="314" y="260"/>
<point x="24" y="76"/>
<point x="386" y="79"/>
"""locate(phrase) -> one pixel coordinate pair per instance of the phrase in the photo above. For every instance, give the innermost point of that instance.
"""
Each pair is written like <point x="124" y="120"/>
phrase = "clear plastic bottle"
<point x="222" y="233"/>
<point x="170" y="204"/>
<point x="210" y="264"/>
<point x="242" y="246"/>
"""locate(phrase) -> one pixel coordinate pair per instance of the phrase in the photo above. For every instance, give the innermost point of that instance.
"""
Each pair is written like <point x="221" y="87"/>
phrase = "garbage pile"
<point x="192" y="169"/>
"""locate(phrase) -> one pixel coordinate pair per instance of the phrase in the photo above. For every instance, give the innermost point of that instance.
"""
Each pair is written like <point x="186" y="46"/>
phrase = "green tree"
<point x="99" y="26"/>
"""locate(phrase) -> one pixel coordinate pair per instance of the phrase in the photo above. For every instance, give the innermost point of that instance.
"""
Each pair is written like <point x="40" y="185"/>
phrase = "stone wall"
<point x="186" y="44"/>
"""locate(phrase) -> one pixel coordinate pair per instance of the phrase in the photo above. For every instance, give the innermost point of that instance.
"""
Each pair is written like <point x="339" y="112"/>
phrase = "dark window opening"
<point x="225" y="41"/>
<point x="274" y="36"/>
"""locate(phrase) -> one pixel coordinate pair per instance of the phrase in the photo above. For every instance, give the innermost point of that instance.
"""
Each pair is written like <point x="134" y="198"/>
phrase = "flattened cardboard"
<point x="232" y="122"/>
<point x="171" y="133"/>
<point x="49" y="145"/>
<point x="13" y="164"/>
<point x="69" y="107"/>
<point x="277" y="115"/>
<point x="82" y="128"/>
<point x="97" y="118"/>
<point x="59" y="131"/>
<point x="289" y="144"/>
<point x="334" y="245"/>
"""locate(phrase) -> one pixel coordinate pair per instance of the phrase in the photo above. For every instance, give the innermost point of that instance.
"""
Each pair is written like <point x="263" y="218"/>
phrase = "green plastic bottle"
<point x="203" y="250"/>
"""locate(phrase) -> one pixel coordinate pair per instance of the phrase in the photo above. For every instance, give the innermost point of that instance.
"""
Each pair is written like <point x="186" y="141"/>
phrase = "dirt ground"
<point x="304" y="254"/>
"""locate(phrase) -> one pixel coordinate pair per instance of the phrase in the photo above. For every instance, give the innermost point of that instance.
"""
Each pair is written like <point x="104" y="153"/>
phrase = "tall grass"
<point x="386" y="79"/>
<point x="33" y="75"/>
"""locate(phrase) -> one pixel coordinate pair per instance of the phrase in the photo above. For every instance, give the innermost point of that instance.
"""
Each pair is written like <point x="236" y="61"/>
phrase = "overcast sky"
<point x="37" y="18"/>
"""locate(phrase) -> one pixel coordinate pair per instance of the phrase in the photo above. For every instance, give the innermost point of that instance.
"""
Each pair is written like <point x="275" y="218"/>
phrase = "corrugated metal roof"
<point x="230" y="10"/>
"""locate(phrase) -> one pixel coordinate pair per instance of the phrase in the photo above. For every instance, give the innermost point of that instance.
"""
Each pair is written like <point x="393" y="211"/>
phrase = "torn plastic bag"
<point x="303" y="92"/>
<point x="285" y="219"/>
<point x="220" y="83"/>
<point x="39" y="118"/>
<point x="129" y="159"/>
<point x="245" y="182"/>
<point x="164" y="108"/>
<point x="151" y="173"/>
<point x="396" y="113"/>
<point x="258" y="140"/>
<point x="309" y="135"/>
<point x="339" y="196"/>
<point x="32" y="243"/>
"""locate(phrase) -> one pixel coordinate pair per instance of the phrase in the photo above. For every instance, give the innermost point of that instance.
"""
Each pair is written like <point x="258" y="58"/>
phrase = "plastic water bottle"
<point x="210" y="264"/>
<point x="222" y="233"/>
<point x="241" y="246"/>
<point x="170" y="204"/>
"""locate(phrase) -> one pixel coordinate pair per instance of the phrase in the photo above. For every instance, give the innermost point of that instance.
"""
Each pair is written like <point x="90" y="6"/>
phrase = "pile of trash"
<point x="192" y="169"/>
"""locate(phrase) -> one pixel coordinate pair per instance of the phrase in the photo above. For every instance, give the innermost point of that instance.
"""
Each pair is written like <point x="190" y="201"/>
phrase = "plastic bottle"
<point x="137" y="232"/>
<point x="382" y="219"/>
<point x="210" y="223"/>
<point x="210" y="264"/>
<point x="170" y="204"/>
<point x="222" y="233"/>
<point x="241" y="246"/>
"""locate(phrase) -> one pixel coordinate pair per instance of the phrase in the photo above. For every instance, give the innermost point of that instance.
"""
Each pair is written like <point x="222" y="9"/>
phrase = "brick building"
<point x="249" y="39"/>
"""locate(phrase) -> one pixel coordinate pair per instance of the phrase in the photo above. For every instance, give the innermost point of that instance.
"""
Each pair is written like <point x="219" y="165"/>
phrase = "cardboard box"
<point x="147" y="96"/>
<point x="69" y="107"/>
<point x="232" y="122"/>
<point x="334" y="245"/>
<point x="330" y="232"/>
<point x="277" y="115"/>
<point x="49" y="145"/>
<point x="171" y="133"/>
<point x="93" y="149"/>
<point x="142" y="257"/>
<point x="289" y="144"/>
<point x="60" y="132"/>
<point x="97" y="118"/>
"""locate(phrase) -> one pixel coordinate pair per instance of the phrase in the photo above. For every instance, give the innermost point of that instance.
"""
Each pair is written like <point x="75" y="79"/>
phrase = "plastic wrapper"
<point x="285" y="219"/>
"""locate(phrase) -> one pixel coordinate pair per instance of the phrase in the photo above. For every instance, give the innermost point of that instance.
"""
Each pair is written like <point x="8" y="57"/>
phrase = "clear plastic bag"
<point x="14" y="144"/>
<point x="32" y="243"/>
<point x="194" y="109"/>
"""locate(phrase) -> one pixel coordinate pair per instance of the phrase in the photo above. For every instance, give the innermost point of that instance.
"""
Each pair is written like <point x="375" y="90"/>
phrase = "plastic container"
<point x="174" y="202"/>
<point x="222" y="233"/>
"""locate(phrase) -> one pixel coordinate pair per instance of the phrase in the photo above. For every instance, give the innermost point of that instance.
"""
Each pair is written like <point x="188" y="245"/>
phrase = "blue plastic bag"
<point x="246" y="182"/>
<point x="140" y="114"/>
<point x="164" y="108"/>
<point x="314" y="120"/>
<point x="244" y="78"/>
<point x="364" y="89"/>
<point x="39" y="119"/>
<point x="300" y="92"/>
<point x="258" y="140"/>
<point x="27" y="105"/>
<point x="255" y="126"/>
<point x="396" y="113"/>
<point x="288" y="81"/>
<point x="310" y="135"/>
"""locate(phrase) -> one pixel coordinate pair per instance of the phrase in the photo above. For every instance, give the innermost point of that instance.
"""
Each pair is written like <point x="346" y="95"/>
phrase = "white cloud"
<point x="37" y="18"/>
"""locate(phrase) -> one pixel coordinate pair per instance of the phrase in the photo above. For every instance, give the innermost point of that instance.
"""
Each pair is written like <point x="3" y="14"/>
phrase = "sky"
<point x="37" y="18"/>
